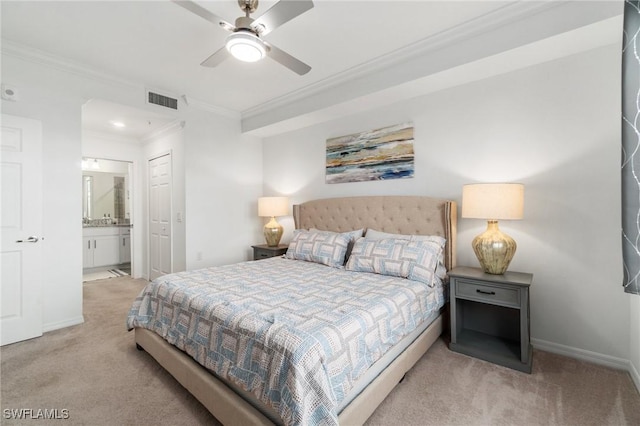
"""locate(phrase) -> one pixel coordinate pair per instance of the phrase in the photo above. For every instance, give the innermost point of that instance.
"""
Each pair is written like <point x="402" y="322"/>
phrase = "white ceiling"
<point x="99" y="116"/>
<point x="160" y="45"/>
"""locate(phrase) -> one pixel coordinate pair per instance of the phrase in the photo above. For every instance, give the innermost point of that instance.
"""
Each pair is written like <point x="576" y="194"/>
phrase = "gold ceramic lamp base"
<point x="273" y="232"/>
<point x="494" y="249"/>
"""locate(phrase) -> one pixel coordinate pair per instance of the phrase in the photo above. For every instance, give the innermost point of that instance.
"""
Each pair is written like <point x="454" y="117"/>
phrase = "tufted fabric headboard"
<point x="393" y="214"/>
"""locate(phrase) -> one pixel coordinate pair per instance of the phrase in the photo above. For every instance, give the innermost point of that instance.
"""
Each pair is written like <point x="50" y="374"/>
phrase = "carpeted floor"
<point x="94" y="371"/>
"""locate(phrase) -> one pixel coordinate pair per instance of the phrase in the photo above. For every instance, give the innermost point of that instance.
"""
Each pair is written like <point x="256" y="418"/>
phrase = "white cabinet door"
<point x="106" y="250"/>
<point x="101" y="247"/>
<point x="125" y="249"/>
<point x="87" y="252"/>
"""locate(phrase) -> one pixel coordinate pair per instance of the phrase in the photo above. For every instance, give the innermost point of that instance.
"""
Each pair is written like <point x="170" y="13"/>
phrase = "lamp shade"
<point x="494" y="201"/>
<point x="273" y="206"/>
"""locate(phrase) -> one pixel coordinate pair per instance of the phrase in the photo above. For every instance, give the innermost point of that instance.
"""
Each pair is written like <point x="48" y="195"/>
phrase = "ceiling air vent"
<point x="162" y="100"/>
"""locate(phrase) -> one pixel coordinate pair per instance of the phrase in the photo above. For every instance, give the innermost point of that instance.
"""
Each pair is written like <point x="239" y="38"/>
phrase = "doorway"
<point x="132" y="135"/>
<point x="107" y="218"/>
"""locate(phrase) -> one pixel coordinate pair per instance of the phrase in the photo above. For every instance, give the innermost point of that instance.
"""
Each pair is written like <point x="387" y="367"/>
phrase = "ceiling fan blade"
<point x="204" y="13"/>
<point x="287" y="60"/>
<point x="281" y="12"/>
<point x="215" y="59"/>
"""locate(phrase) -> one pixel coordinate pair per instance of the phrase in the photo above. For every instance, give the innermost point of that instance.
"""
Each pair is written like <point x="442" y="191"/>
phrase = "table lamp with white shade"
<point x="493" y="201"/>
<point x="272" y="207"/>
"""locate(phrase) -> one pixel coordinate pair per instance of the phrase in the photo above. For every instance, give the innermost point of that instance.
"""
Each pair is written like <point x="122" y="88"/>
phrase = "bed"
<point x="239" y="398"/>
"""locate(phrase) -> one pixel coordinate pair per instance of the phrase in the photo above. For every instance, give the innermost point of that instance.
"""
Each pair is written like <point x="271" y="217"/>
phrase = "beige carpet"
<point x="94" y="371"/>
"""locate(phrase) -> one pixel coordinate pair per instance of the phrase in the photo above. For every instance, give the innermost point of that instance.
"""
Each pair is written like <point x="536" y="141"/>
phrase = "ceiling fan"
<point x="245" y="41"/>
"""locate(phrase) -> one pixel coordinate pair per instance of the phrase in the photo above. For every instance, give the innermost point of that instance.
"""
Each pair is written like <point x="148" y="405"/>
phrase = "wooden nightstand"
<point x="263" y="251"/>
<point x="490" y="316"/>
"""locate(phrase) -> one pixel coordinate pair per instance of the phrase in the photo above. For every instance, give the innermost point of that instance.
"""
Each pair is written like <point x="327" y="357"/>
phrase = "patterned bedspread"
<point x="295" y="334"/>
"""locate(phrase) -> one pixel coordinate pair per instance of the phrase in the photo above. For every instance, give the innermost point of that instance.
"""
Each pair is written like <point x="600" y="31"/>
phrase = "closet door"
<point x="160" y="247"/>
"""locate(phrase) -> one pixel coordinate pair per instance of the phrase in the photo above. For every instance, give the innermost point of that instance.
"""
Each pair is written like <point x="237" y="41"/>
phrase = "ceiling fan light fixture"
<point x="246" y="46"/>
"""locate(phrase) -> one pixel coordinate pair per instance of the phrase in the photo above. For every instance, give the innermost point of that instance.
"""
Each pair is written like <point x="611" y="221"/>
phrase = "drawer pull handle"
<point x="491" y="293"/>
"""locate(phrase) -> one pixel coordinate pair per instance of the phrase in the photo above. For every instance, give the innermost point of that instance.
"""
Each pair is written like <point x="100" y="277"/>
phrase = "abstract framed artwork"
<point x="379" y="154"/>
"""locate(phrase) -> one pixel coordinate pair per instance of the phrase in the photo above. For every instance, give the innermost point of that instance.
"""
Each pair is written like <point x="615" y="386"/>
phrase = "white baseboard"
<point x="635" y="376"/>
<point x="62" y="324"/>
<point x="589" y="356"/>
<point x="584" y="355"/>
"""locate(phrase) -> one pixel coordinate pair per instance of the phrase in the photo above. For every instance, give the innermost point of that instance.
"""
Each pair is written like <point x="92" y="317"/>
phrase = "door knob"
<point x="32" y="239"/>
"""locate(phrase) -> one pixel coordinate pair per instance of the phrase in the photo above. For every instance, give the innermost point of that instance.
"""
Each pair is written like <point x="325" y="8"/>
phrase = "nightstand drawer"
<point x="486" y="293"/>
<point x="264" y="252"/>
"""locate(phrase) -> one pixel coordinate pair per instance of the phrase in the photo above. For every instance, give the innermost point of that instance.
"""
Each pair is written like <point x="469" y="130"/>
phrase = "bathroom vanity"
<point x="106" y="245"/>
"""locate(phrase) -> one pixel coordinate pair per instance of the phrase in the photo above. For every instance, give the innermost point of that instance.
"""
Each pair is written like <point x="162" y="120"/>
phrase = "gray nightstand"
<point x="263" y="251"/>
<point x="490" y="316"/>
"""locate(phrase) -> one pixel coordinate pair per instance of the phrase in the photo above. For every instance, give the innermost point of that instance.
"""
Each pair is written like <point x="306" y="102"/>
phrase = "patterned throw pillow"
<point x="353" y="236"/>
<point x="415" y="260"/>
<point x="328" y="248"/>
<point x="441" y="270"/>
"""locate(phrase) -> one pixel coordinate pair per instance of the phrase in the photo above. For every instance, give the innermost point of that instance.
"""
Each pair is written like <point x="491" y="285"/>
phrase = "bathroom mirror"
<point x="105" y="189"/>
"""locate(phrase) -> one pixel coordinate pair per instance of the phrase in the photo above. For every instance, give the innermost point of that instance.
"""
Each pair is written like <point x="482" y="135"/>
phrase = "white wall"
<point x="554" y="127"/>
<point x="223" y="181"/>
<point x="634" y="339"/>
<point x="217" y="208"/>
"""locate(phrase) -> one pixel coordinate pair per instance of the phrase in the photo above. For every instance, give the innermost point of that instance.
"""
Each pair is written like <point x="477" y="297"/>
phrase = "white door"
<point x="159" y="216"/>
<point x="21" y="226"/>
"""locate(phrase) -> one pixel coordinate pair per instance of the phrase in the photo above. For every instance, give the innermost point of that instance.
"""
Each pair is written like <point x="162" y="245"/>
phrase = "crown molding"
<point x="451" y="36"/>
<point x="40" y="57"/>
<point x="603" y="33"/>
<point x="197" y="103"/>
<point x="165" y="130"/>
